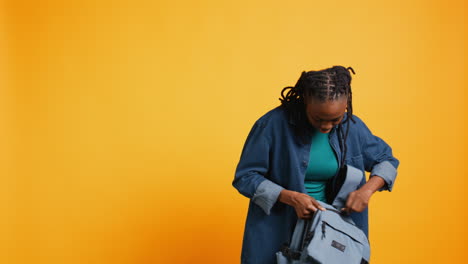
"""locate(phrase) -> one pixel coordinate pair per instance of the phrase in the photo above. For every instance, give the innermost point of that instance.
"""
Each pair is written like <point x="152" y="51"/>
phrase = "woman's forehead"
<point x="327" y="110"/>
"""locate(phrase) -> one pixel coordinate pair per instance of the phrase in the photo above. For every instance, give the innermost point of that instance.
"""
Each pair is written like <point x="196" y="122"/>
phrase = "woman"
<point x="292" y="154"/>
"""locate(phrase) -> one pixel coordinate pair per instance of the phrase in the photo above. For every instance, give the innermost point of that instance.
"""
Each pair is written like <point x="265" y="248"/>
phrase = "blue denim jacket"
<point x="273" y="159"/>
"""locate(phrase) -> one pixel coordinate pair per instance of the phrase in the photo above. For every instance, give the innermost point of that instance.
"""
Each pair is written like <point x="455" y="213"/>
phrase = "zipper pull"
<point x="323" y="229"/>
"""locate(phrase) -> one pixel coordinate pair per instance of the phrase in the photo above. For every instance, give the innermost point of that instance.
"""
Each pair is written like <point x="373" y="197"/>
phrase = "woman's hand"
<point x="357" y="201"/>
<point x="304" y="204"/>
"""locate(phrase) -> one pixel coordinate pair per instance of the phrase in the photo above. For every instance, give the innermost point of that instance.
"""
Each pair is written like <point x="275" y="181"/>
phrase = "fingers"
<point x="317" y="205"/>
<point x="306" y="215"/>
<point x="306" y="206"/>
<point x="349" y="204"/>
<point x="355" y="203"/>
<point x="346" y="210"/>
<point x="311" y="207"/>
<point x="307" y="211"/>
<point x="303" y="213"/>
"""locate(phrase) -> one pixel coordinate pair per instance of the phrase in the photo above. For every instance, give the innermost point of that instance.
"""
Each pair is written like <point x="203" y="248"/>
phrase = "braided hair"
<point x="325" y="85"/>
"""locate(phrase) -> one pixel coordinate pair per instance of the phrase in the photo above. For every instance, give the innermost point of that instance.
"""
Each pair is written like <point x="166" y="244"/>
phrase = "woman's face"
<point x="325" y="115"/>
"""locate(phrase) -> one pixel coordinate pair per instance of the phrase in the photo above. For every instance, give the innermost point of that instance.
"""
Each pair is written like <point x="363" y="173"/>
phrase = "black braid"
<point x="325" y="85"/>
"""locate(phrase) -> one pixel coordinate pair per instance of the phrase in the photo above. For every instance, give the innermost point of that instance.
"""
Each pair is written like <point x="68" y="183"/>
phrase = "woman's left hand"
<point x="357" y="201"/>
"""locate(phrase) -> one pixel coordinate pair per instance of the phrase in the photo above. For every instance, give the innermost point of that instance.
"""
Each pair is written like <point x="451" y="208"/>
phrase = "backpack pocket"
<point x="336" y="240"/>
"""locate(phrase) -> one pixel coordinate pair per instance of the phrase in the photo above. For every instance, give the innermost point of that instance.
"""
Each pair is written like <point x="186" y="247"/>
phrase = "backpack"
<point x="330" y="236"/>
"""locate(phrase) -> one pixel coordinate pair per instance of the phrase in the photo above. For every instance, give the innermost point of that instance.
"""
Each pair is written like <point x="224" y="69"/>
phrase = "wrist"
<point x="287" y="197"/>
<point x="372" y="185"/>
<point x="368" y="192"/>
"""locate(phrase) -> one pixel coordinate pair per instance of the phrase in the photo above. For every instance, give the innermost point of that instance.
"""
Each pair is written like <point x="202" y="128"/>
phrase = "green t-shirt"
<point x="322" y="165"/>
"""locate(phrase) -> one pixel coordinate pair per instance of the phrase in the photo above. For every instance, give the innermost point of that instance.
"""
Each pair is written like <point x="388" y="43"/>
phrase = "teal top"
<point x="322" y="165"/>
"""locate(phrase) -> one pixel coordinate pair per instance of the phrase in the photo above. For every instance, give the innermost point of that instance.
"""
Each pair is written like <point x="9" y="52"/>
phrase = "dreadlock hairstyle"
<point x="325" y="85"/>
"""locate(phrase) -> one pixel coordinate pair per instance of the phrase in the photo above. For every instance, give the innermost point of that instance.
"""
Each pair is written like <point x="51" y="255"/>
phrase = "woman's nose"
<point x="325" y="127"/>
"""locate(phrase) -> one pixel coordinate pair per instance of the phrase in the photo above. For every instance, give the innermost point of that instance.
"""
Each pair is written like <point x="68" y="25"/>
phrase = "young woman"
<point x="292" y="154"/>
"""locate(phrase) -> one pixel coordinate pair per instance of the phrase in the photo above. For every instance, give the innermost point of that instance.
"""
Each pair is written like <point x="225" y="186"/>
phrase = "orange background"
<point x="121" y="122"/>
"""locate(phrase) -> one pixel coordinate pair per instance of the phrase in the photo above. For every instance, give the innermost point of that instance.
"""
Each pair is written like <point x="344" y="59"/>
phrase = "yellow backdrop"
<point x="122" y="122"/>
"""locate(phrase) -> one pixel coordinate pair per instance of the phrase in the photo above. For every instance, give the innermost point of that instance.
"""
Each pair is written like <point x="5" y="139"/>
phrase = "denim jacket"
<point x="273" y="158"/>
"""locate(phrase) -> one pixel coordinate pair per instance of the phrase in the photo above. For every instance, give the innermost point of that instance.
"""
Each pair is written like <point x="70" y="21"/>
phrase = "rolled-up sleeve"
<point x="378" y="158"/>
<point x="266" y="195"/>
<point x="386" y="171"/>
<point x="251" y="173"/>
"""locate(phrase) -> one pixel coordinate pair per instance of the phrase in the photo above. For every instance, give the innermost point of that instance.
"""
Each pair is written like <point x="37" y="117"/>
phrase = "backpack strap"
<point x="300" y="237"/>
<point x="289" y="253"/>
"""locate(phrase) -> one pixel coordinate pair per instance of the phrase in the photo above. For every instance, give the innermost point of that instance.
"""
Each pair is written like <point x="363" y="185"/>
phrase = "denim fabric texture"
<point x="273" y="159"/>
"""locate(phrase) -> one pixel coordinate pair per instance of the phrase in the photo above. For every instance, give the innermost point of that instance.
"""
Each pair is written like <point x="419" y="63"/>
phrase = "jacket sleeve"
<point x="378" y="157"/>
<point x="251" y="173"/>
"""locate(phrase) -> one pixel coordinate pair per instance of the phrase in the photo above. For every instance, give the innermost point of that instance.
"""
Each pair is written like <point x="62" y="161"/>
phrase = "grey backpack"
<point x="329" y="237"/>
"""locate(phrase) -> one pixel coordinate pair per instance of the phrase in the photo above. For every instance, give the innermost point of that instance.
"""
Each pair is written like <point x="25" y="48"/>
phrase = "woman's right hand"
<point x="304" y="204"/>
